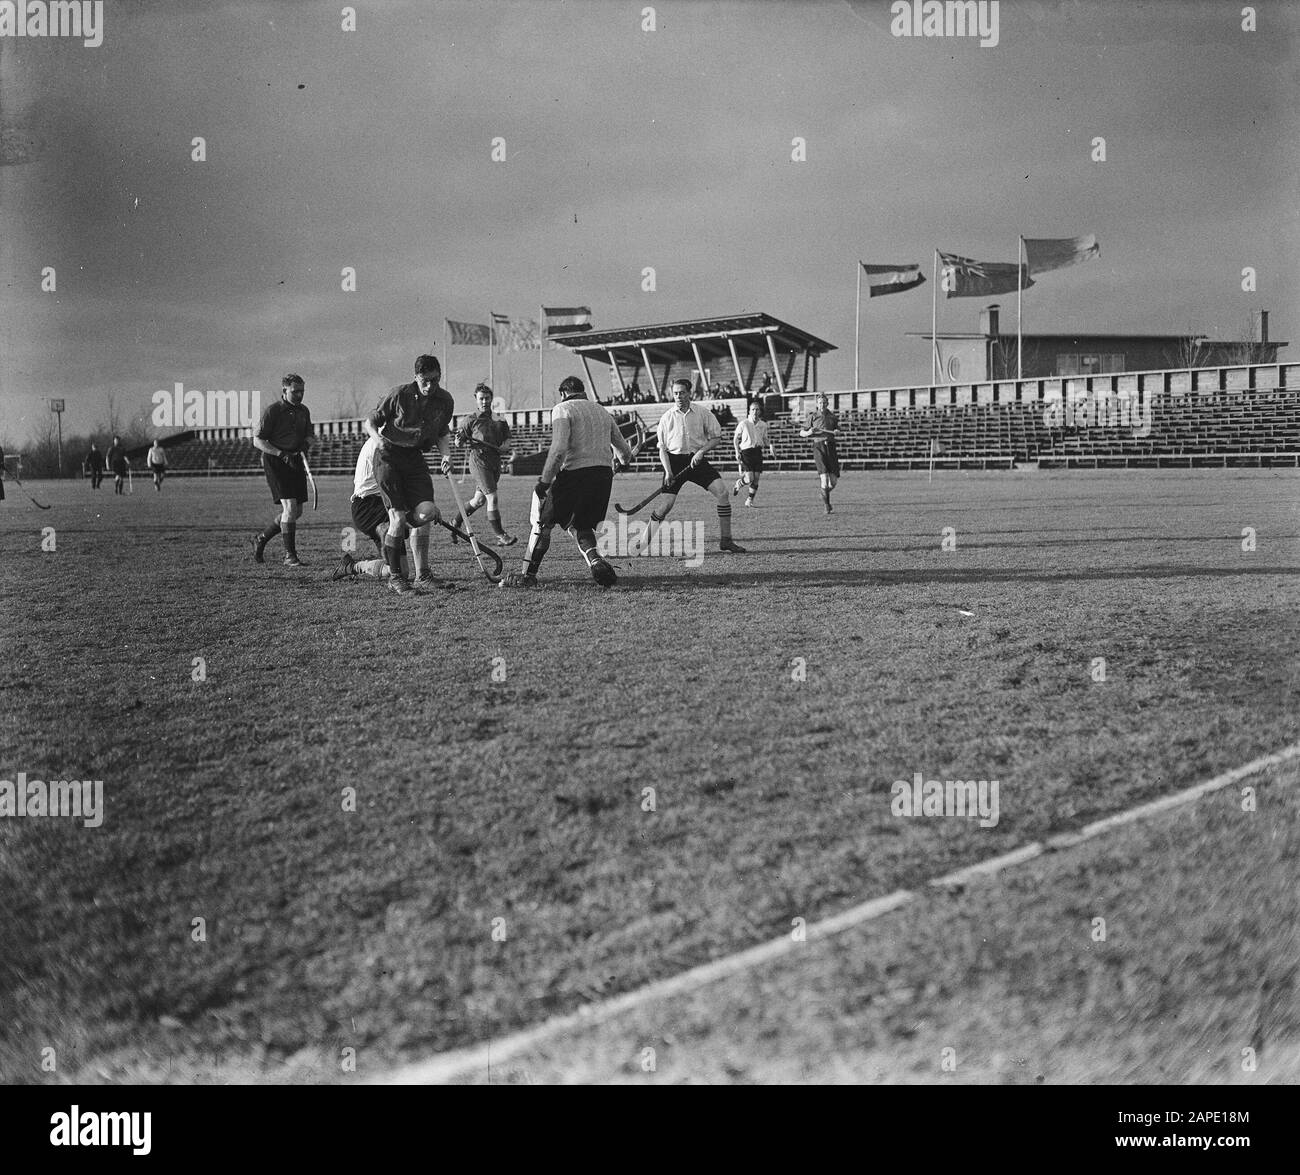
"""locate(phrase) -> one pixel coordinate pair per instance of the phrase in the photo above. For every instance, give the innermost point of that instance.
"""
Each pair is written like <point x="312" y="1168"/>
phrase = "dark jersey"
<point x="407" y="419"/>
<point x="95" y="460"/>
<point x="117" y="459"/>
<point x="286" y="426"/>
<point x="485" y="428"/>
<point x="828" y="420"/>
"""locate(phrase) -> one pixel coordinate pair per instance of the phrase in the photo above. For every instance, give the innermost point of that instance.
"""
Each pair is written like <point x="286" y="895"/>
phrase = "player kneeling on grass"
<point x="575" y="484"/>
<point x="283" y="436"/>
<point x="686" y="433"/>
<point x="411" y="420"/>
<point x="370" y="517"/>
<point x="748" y="441"/>
<point x="822" y="427"/>
<point x="486" y="437"/>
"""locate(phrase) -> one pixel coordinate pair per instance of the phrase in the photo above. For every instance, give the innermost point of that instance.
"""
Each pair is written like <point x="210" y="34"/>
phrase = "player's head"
<point x="821" y="400"/>
<point x="292" y="388"/>
<point x="682" y="393"/>
<point x="117" y="440"/>
<point x="572" y="388"/>
<point x="483" y="397"/>
<point x="755" y="410"/>
<point x="427" y="372"/>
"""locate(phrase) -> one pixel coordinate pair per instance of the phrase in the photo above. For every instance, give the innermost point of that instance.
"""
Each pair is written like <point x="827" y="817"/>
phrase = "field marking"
<point x="448" y="1066"/>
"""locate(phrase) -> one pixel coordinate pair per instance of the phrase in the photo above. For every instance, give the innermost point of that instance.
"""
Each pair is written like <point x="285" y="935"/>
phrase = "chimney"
<point x="1263" y="326"/>
<point x="989" y="321"/>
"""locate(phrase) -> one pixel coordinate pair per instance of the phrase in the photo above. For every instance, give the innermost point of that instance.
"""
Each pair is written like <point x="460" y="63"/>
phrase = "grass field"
<point x="769" y="699"/>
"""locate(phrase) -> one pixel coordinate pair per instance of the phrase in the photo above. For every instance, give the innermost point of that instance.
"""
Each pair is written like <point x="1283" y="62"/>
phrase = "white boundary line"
<point x="449" y="1066"/>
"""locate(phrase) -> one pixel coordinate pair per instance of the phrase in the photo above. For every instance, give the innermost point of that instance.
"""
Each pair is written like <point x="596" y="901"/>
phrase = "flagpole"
<point x="1020" y="248"/>
<point x="492" y="350"/>
<point x="541" y="353"/>
<point x="934" y="313"/>
<point x="857" y="326"/>
<point x="446" y="334"/>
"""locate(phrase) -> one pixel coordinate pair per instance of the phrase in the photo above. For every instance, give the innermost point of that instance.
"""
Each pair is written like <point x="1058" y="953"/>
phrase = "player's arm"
<point x="619" y="441"/>
<point x="262" y="441"/>
<point x="555" y="455"/>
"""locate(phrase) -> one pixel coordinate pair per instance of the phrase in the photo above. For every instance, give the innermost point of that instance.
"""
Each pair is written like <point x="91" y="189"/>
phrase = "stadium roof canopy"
<point x="731" y="337"/>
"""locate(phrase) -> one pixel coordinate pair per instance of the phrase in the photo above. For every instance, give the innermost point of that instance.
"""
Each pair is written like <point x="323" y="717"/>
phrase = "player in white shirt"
<point x="576" y="480"/>
<point x="157" y="459"/>
<point x="686" y="433"/>
<point x="749" y="441"/>
<point x="370" y="517"/>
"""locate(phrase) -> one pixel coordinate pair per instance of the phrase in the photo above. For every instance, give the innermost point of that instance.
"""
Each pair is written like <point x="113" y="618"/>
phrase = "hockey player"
<point x="486" y="437"/>
<point x="283" y="437"/>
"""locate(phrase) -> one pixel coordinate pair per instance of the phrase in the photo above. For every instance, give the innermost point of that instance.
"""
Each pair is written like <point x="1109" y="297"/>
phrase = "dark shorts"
<point x="368" y="515"/>
<point x="404" y="478"/>
<point x="579" y="498"/>
<point x="159" y="470"/>
<point x="703" y="475"/>
<point x="119" y="468"/>
<point x="487" y="470"/>
<point x="751" y="460"/>
<point x="287" y="483"/>
<point x="827" y="459"/>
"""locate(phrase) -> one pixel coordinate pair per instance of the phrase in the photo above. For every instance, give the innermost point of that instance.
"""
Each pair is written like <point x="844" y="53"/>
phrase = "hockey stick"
<point x="664" y="488"/>
<point x="33" y="501"/>
<point x="311" y="481"/>
<point x="480" y="554"/>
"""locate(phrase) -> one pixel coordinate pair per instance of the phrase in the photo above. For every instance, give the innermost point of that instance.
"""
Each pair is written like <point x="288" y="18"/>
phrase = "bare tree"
<point x="1190" y="351"/>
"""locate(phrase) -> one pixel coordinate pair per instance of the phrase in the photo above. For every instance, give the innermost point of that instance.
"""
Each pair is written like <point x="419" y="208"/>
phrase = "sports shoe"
<point x="603" y="573"/>
<point x="398" y="584"/>
<point x="829" y="508"/>
<point x="506" y="540"/>
<point x="729" y="545"/>
<point x="519" y="579"/>
<point x="735" y="489"/>
<point x="259" y="546"/>
<point x="346" y="567"/>
<point x="427" y="579"/>
<point x="292" y="561"/>
<point x="750" y="502"/>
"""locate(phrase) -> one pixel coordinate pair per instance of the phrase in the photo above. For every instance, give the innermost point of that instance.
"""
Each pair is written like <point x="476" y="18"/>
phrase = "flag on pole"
<point x="469" y="334"/>
<point x="515" y="334"/>
<point x="563" y="320"/>
<point x="964" y="278"/>
<point x="1044" y="254"/>
<point x="891" y="279"/>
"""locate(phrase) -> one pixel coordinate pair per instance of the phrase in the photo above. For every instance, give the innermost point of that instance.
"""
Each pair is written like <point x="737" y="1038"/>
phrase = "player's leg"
<point x="718" y="489"/>
<point x="290" y="512"/>
<point x="754" y="476"/>
<point x="541" y="517"/>
<point x="582" y="500"/>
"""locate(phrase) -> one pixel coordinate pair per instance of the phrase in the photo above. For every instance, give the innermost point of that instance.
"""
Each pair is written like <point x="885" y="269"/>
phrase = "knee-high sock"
<point x="420" y="550"/>
<point x="393" y="554"/>
<point x="826" y="494"/>
<point x="538" y="542"/>
<point x="586" y="540"/>
<point x="494" y="520"/>
<point x="724" y="520"/>
<point x="289" y="532"/>
<point x="271" y="531"/>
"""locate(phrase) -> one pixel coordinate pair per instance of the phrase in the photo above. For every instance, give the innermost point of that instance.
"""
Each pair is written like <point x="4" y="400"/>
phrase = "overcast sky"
<point x="624" y="149"/>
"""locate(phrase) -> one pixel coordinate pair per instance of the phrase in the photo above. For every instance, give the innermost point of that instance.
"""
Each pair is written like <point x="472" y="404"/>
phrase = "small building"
<point x="990" y="354"/>
<point x="737" y="355"/>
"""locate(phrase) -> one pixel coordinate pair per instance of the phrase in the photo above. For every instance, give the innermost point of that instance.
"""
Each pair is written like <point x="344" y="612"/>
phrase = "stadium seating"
<point x="1245" y="427"/>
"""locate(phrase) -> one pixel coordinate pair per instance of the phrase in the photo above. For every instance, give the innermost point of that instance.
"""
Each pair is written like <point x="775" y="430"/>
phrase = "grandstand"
<point x="1221" y="416"/>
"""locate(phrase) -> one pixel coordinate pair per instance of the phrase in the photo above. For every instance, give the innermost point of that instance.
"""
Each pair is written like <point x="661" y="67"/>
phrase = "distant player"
<point x="95" y="465"/>
<point x="686" y="433"/>
<point x="411" y="420"/>
<point x="2" y="473"/>
<point x="487" y="437"/>
<point x="749" y="440"/>
<point x="117" y="463"/>
<point x="822" y="427"/>
<point x="573" y="491"/>
<point x="283" y="437"/>
<point x="370" y="517"/>
<point x="157" y="459"/>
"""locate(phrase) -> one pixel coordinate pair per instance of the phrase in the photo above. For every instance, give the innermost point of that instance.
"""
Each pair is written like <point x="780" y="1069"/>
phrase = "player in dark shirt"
<point x="486" y="437"/>
<point x="117" y="463"/>
<point x="411" y="420"/>
<point x="822" y="427"/>
<point x="95" y="465"/>
<point x="283" y="437"/>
